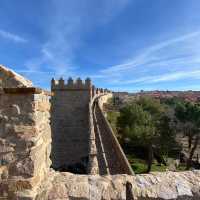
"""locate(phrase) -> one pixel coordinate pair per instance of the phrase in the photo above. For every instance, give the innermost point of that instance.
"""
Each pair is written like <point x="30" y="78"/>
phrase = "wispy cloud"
<point x="173" y="60"/>
<point x="164" y="77"/>
<point x="169" y="59"/>
<point x="148" y="55"/>
<point x="67" y="28"/>
<point x="11" y="36"/>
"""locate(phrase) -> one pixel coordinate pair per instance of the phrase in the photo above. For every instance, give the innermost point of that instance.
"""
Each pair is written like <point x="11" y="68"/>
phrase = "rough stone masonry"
<point x="69" y="122"/>
<point x="25" y="148"/>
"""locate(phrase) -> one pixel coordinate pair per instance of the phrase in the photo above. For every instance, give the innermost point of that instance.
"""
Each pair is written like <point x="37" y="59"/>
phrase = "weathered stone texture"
<point x="25" y="142"/>
<point x="93" y="162"/>
<point x="161" y="186"/>
<point x="110" y="155"/>
<point x="69" y="123"/>
<point x="25" y="146"/>
<point x="10" y="79"/>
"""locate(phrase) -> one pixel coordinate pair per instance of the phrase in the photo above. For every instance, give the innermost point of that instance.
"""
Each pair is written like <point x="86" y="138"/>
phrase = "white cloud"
<point x="164" y="77"/>
<point x="12" y="36"/>
<point x="66" y="29"/>
<point x="176" y="76"/>
<point x="149" y="55"/>
<point x="69" y="24"/>
<point x="171" y="60"/>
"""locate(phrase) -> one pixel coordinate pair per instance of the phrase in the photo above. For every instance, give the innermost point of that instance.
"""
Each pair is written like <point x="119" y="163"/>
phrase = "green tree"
<point x="166" y="142"/>
<point x="137" y="125"/>
<point x="145" y="123"/>
<point x="188" y="122"/>
<point x="153" y="106"/>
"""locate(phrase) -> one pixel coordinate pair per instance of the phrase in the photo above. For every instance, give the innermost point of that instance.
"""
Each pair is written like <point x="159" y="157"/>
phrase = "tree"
<point x="151" y="105"/>
<point x="137" y="124"/>
<point x="166" y="142"/>
<point x="188" y="117"/>
<point x="145" y="123"/>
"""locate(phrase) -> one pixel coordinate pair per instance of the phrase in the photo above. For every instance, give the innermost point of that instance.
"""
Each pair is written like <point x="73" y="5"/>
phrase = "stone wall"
<point x="10" y="79"/>
<point x="106" y="155"/>
<point x="25" y="173"/>
<point x="155" y="186"/>
<point x="25" y="141"/>
<point x="110" y="154"/>
<point x="69" y="122"/>
<point x="102" y="99"/>
<point x="102" y="96"/>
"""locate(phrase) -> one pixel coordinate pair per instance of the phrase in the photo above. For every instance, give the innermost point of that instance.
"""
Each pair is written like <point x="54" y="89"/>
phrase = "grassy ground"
<point x="139" y="166"/>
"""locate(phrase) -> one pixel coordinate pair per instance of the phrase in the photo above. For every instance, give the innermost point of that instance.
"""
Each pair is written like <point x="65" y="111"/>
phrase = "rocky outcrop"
<point x="10" y="79"/>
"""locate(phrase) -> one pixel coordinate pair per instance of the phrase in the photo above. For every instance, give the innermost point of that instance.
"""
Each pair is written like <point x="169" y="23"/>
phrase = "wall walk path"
<point x="110" y="156"/>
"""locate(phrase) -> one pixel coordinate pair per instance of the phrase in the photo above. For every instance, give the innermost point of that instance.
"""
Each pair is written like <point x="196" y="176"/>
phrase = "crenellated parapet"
<point x="72" y="105"/>
<point x="71" y="84"/>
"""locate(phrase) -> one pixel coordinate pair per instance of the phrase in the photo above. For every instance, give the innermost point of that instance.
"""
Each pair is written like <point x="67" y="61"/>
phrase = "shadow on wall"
<point x="77" y="168"/>
<point x="69" y="125"/>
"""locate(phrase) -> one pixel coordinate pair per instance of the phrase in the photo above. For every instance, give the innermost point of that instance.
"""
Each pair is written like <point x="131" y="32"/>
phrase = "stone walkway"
<point x="108" y="159"/>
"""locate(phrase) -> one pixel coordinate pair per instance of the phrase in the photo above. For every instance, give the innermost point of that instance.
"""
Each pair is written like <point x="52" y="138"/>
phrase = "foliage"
<point x="112" y="118"/>
<point x="151" y="105"/>
<point x="146" y="123"/>
<point x="188" y="122"/>
<point x="172" y="102"/>
<point x="149" y="126"/>
<point x="136" y="123"/>
<point x="139" y="165"/>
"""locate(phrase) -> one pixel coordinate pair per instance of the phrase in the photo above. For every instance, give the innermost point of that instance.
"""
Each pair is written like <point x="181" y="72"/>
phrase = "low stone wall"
<point x="156" y="186"/>
<point x="25" y="141"/>
<point x="102" y="99"/>
<point x="105" y="150"/>
<point x="121" y="162"/>
<point x="93" y="167"/>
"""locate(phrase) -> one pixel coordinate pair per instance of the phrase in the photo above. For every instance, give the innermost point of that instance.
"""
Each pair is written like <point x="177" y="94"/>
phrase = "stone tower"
<point x="69" y="122"/>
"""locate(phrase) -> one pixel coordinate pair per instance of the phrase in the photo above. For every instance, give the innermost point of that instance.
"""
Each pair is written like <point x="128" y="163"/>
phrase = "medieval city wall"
<point x="69" y="122"/>
<point x="121" y="164"/>
<point x="25" y="173"/>
<point x="101" y="96"/>
<point x="106" y="155"/>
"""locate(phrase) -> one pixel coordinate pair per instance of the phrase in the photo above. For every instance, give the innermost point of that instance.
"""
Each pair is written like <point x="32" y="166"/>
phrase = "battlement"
<point x="71" y="84"/>
<point x="82" y="142"/>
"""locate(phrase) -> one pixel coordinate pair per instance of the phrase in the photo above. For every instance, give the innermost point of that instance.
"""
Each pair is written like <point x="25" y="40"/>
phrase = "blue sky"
<point x="125" y="45"/>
